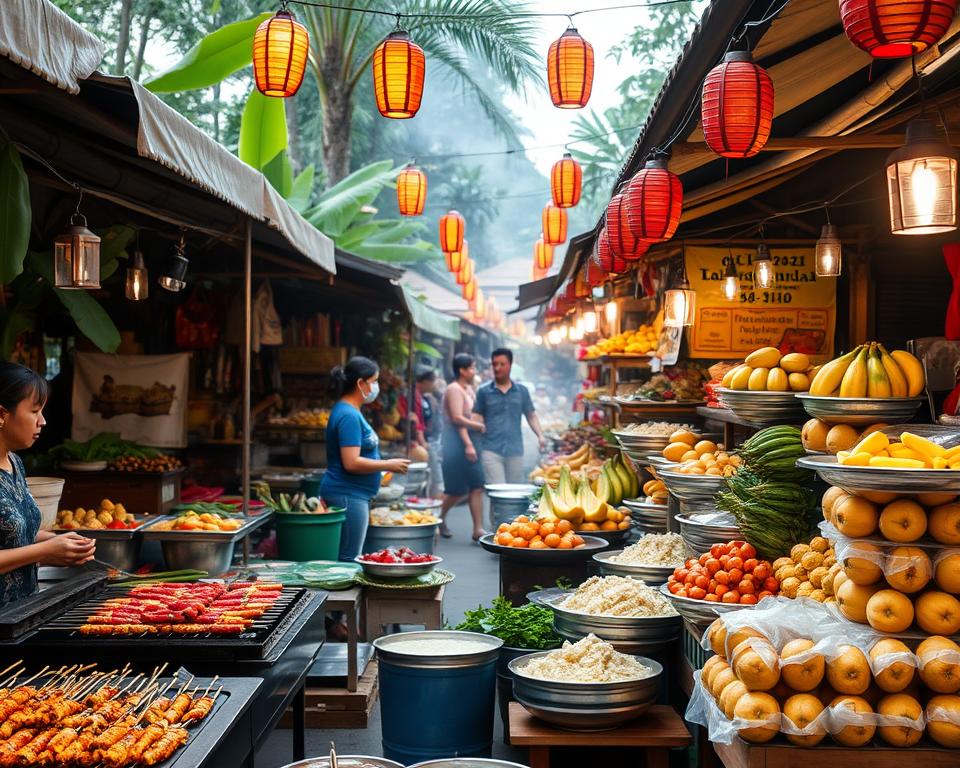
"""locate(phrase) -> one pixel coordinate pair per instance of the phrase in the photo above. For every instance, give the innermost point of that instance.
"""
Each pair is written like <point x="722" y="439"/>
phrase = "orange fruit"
<point x="537" y="544"/>
<point x="563" y="526"/>
<point x="547" y="528"/>
<point x="504" y="538"/>
<point x="565" y="544"/>
<point x="520" y="542"/>
<point x="528" y="531"/>
<point x="577" y="541"/>
<point x="552" y="540"/>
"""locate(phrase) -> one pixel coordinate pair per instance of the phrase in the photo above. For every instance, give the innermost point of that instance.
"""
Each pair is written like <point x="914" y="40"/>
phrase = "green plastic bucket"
<point x="309" y="537"/>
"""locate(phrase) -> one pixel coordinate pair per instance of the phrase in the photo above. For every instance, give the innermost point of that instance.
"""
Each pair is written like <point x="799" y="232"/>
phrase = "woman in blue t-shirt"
<point x="353" y="452"/>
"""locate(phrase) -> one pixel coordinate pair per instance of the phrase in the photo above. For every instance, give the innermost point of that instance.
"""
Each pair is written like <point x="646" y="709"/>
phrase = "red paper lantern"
<point x="554" y="224"/>
<point x="398" y="69"/>
<point x="654" y="200"/>
<point x="893" y="29"/>
<point x="623" y="242"/>
<point x="465" y="275"/>
<point x="566" y="181"/>
<point x="280" y="49"/>
<point x="542" y="255"/>
<point x="452" y="227"/>
<point x="593" y="273"/>
<point x="570" y="70"/>
<point x="411" y="191"/>
<point x="737" y="106"/>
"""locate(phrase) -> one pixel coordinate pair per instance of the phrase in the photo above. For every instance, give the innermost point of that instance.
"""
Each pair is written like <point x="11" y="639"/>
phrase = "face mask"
<point x="372" y="394"/>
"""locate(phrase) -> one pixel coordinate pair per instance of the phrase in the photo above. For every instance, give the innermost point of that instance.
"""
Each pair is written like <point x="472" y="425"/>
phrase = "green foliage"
<point x="15" y="212"/>
<point x="302" y="189"/>
<point x="106" y="446"/>
<point x="529" y="626"/>
<point x="340" y="205"/>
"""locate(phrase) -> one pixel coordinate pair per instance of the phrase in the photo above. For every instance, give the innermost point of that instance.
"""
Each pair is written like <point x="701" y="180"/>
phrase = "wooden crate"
<point x="739" y="754"/>
<point x="311" y="359"/>
<point x="141" y="493"/>
<point x="338" y="707"/>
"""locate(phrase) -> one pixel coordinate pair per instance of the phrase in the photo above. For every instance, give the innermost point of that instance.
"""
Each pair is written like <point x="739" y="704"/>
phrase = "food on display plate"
<point x="870" y="371"/>
<point x="588" y="507"/>
<point x="654" y="429"/>
<point x="525" y="533"/>
<point x="767" y="370"/>
<point x="616" y="596"/>
<point x="590" y="660"/>
<point x="654" y="549"/>
<point x="569" y="440"/>
<point x="391" y="556"/>
<point x="680" y="383"/>
<point x="192" y="521"/>
<point x="401" y="516"/>
<point x="582" y="461"/>
<point x="820" y="437"/>
<point x="809" y="571"/>
<point x="640" y="341"/>
<point x="110" y="516"/>
<point x="908" y="451"/>
<point x="728" y="573"/>
<point x="526" y="626"/>
<point x="655" y="490"/>
<point x="158" y="463"/>
<point x="304" y="417"/>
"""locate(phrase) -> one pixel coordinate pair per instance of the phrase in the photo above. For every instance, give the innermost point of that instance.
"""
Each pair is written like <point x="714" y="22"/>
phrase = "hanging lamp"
<point x="281" y="46"/>
<point x="654" y="200"/>
<point x="731" y="281"/>
<point x="764" y="274"/>
<point x="465" y="275"/>
<point x="893" y="29"/>
<point x="174" y="279"/>
<point x="591" y="322"/>
<point x="604" y="254"/>
<point x="737" y="106"/>
<point x="76" y="254"/>
<point x="680" y="303"/>
<point x="828" y="251"/>
<point x="398" y="70"/>
<point x="554" y="224"/>
<point x="455" y="260"/>
<point x="922" y="183"/>
<point x="411" y="190"/>
<point x="570" y="70"/>
<point x="623" y="242"/>
<point x="542" y="254"/>
<point x="566" y="181"/>
<point x="136" y="285"/>
<point x="452" y="228"/>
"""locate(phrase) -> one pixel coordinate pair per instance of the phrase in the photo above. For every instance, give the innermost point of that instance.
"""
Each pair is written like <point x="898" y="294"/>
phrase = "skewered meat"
<point x="199" y="709"/>
<point x="165" y="746"/>
<point x="178" y="707"/>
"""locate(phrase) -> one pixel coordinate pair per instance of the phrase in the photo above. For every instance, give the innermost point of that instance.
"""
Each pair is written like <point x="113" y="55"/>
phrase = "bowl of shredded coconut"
<point x="622" y="610"/>
<point x="652" y="559"/>
<point x="585" y="686"/>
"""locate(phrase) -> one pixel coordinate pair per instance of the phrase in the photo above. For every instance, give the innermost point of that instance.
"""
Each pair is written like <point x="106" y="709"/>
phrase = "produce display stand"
<point x="142" y="493"/>
<point x="728" y="419"/>
<point x="739" y="754"/>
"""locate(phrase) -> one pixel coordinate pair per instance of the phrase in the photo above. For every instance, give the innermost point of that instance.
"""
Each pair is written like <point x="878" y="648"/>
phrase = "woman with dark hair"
<point x="462" y="471"/>
<point x="354" y="465"/>
<point x="23" y="546"/>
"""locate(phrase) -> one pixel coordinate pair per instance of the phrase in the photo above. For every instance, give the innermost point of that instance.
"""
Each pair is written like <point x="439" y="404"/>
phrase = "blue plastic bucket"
<point x="426" y="672"/>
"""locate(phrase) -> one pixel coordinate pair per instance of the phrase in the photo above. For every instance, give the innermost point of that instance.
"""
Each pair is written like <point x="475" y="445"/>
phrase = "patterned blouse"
<point x="19" y="524"/>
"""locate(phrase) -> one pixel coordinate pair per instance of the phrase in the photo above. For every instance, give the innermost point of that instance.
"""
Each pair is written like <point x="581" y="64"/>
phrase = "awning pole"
<point x="411" y="388"/>
<point x="246" y="427"/>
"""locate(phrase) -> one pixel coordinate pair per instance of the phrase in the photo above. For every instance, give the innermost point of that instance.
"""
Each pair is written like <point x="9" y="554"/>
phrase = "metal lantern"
<point x="542" y="255"/>
<point x="680" y="303"/>
<point x="566" y="181"/>
<point x="398" y="69"/>
<point x="623" y="242"/>
<point x="281" y="46"/>
<point x="411" y="191"/>
<point x="175" y="277"/>
<point x="452" y="227"/>
<point x="922" y="183"/>
<point x="554" y="224"/>
<point x="737" y="106"/>
<point x="828" y="252"/>
<point x="654" y="200"/>
<point x="764" y="274"/>
<point x="465" y="275"/>
<point x="136" y="287"/>
<point x="893" y="29"/>
<point x="570" y="70"/>
<point x="76" y="255"/>
<point x="731" y="281"/>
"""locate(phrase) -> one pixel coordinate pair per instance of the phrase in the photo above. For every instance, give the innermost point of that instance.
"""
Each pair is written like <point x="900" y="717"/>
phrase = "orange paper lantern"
<point x="554" y="224"/>
<point x="737" y="106"/>
<point x="654" y="200"/>
<point x="452" y="227"/>
<point x="542" y="255"/>
<point x="398" y="69"/>
<point x="465" y="275"/>
<point x="566" y="180"/>
<point x="280" y="48"/>
<point x="469" y="291"/>
<point x="411" y="191"/>
<point x="893" y="29"/>
<point x="570" y="70"/>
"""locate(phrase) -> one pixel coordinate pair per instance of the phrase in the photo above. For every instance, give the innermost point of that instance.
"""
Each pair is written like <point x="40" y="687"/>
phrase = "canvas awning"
<point x="430" y="320"/>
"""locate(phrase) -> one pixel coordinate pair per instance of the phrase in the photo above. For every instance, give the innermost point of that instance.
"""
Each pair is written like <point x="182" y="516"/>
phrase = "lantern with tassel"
<point x="554" y="224"/>
<point x="411" y="191"/>
<point x="893" y="29"/>
<point x="566" y="181"/>
<point x="398" y="70"/>
<point x="280" y="49"/>
<point x="654" y="202"/>
<point x="452" y="227"/>
<point x="737" y="106"/>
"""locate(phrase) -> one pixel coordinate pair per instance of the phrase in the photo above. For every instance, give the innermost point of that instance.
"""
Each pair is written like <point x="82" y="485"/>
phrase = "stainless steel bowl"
<point x="397" y="570"/>
<point x="211" y="556"/>
<point x="641" y="443"/>
<point x="467" y="762"/>
<point x="762" y="407"/>
<point x="345" y="761"/>
<point x="628" y="634"/>
<point x="701" y="612"/>
<point x="861" y="411"/>
<point x="584" y="706"/>
<point x="654" y="575"/>
<point x="591" y="544"/>
<point x="120" y="553"/>
<point x="691" y="487"/>
<point x="511" y="488"/>
<point x="700" y="536"/>
<point x="881" y="478"/>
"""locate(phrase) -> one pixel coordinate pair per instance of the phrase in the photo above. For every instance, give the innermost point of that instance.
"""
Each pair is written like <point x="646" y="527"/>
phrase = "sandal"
<point x="446" y="532"/>
<point x="476" y="539"/>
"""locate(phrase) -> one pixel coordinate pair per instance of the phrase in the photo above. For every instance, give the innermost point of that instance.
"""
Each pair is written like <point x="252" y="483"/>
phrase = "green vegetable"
<point x="106" y="446"/>
<point x="529" y="626"/>
<point x="211" y="507"/>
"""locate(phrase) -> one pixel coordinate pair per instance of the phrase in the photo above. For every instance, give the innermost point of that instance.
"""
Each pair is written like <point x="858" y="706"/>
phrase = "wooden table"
<point x="655" y="732"/>
<point x="739" y="754"/>
<point x="350" y="602"/>
<point x="383" y="607"/>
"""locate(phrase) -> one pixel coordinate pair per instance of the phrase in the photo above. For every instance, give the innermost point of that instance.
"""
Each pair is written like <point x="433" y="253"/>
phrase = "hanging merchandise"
<point x="136" y="287"/>
<point x="452" y="228"/>
<point x="922" y="183"/>
<point x="893" y="29"/>
<point x="465" y="275"/>
<point x="411" y="191"/>
<point x="566" y="181"/>
<point x="398" y="70"/>
<point x="764" y="274"/>
<point x="654" y="200"/>
<point x="737" y="106"/>
<point x="281" y="46"/>
<point x="542" y="255"/>
<point x="828" y="251"/>
<point x="623" y="242"/>
<point x="680" y="303"/>
<point x="76" y="254"/>
<point x="196" y="324"/>
<point x="570" y="70"/>
<point x="174" y="279"/>
<point x="554" y="224"/>
<point x="267" y="330"/>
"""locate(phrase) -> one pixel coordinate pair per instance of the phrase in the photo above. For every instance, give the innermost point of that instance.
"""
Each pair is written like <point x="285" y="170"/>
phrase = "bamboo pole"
<point x="246" y="426"/>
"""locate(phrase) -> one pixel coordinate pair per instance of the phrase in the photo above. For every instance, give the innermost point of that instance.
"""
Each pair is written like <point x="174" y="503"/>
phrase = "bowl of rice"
<point x="652" y="559"/>
<point x="585" y="686"/>
<point x="624" y="611"/>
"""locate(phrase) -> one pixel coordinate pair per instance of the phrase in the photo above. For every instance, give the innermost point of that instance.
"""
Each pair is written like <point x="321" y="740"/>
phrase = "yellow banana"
<point x="898" y="382"/>
<point x="878" y="384"/>
<point x="922" y="445"/>
<point x="758" y="380"/>
<point x="827" y="379"/>
<point x="912" y="369"/>
<point x="872" y="443"/>
<point x="854" y="382"/>
<point x="777" y="380"/>
<point x="889" y="461"/>
<point x="765" y="357"/>
<point x="741" y="378"/>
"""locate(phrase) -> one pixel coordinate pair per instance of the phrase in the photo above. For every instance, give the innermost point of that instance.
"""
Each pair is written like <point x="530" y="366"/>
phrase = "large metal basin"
<point x="654" y="575"/>
<point x="628" y="634"/>
<point x="345" y="761"/>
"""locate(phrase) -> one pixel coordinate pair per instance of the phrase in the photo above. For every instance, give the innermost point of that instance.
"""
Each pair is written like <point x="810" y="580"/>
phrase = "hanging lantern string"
<point x="769" y="16"/>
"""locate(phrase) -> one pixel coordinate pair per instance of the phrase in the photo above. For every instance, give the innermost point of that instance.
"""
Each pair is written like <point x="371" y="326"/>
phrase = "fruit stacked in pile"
<point x="402" y="556"/>
<point x="641" y="341"/>
<point x="910" y="451"/>
<point x="728" y="573"/>
<point x="894" y="576"/>
<point x="833" y="438"/>
<point x="655" y="490"/>
<point x="870" y="371"/>
<point x="699" y="457"/>
<point x="588" y="507"/>
<point x="809" y="571"/>
<point x="159" y="463"/>
<point x="583" y="461"/>
<point x="834" y="688"/>
<point x="538" y="534"/>
<point x="766" y="370"/>
<point x="110" y="515"/>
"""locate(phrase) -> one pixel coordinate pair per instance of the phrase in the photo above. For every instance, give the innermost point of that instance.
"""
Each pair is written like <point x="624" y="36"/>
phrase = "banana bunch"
<point x="766" y="370"/>
<point x="870" y="371"/>
<point x="581" y="460"/>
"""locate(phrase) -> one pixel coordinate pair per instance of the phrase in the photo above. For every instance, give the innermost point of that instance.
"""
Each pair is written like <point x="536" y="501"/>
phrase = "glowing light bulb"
<point x="610" y="311"/>
<point x="764" y="275"/>
<point x="538" y="339"/>
<point x="923" y="187"/>
<point x="590" y="321"/>
<point x="731" y="288"/>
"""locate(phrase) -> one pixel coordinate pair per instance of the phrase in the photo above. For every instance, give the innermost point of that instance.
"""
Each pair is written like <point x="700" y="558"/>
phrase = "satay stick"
<point x="215" y="678"/>
<point x="125" y="688"/>
<point x="157" y="671"/>
<point x="31" y="679"/>
<point x="15" y="664"/>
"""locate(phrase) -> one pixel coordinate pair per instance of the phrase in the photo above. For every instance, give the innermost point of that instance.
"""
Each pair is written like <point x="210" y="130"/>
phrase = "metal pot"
<point x="345" y="761"/>
<point x="508" y="501"/>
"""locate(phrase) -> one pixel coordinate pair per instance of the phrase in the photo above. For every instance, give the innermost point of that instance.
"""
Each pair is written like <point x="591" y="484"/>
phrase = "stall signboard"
<point x="797" y="314"/>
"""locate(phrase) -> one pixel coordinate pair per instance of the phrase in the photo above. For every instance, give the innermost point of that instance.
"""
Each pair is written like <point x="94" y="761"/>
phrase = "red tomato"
<point x="697" y="593"/>
<point x="762" y="570"/>
<point x="702" y="583"/>
<point x="735" y="575"/>
<point x="748" y="599"/>
<point x="749" y="564"/>
<point x="721" y="589"/>
<point x="712" y="565"/>
<point x="746" y="587"/>
<point x="691" y="579"/>
<point x="735" y="562"/>
<point x="724" y="561"/>
<point x="731" y="597"/>
<point x="748" y="550"/>
<point x="703" y="558"/>
<point x="770" y="584"/>
<point x="716" y="550"/>
<point x="764" y="594"/>
<point x="722" y="577"/>
<point x="712" y="598"/>
<point x="680" y="574"/>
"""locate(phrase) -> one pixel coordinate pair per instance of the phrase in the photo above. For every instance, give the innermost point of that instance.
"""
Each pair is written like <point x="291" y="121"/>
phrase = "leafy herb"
<point x="106" y="446"/>
<point x="529" y="626"/>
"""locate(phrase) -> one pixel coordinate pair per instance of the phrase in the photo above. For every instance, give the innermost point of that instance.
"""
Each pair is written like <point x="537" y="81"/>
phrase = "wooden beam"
<point x="786" y="144"/>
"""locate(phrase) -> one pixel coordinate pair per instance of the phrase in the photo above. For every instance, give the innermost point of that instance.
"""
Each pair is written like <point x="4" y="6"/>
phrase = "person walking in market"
<point x="500" y="404"/>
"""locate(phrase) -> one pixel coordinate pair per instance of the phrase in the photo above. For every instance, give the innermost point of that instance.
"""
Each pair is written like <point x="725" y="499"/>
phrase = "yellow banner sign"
<point x="797" y="314"/>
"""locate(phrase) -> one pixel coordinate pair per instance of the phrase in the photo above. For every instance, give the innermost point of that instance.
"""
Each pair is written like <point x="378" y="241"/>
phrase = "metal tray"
<point x="654" y="575"/>
<point x="397" y="570"/>
<point x="591" y="545"/>
<point x="700" y="612"/>
<point x="217" y="537"/>
<point x="700" y="536"/>
<point x="691" y="487"/>
<point x="861" y="411"/>
<point x="762" y="407"/>
<point x="881" y="478"/>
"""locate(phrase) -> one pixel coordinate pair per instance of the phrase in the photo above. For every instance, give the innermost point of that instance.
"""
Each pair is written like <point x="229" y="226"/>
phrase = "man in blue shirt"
<point x="500" y="404"/>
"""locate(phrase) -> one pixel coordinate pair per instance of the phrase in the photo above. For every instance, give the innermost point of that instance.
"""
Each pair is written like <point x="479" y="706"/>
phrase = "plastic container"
<point x="508" y="502"/>
<point x="310" y="484"/>
<point x="420" y="538"/>
<point x="46" y="491"/>
<point x="457" y="689"/>
<point x="309" y="537"/>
